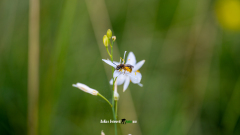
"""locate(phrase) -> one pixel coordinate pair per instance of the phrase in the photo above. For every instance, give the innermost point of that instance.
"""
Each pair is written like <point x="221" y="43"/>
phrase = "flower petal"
<point x="135" y="77"/>
<point x="127" y="81"/>
<point x="124" y="55"/>
<point x="120" y="79"/>
<point x="131" y="59"/>
<point x="117" y="63"/>
<point x="116" y="73"/>
<point x="111" y="82"/>
<point x="138" y="65"/>
<point x="141" y="85"/>
<point x="109" y="63"/>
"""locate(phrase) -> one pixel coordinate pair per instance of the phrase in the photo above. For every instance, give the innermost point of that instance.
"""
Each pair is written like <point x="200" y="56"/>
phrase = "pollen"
<point x="128" y="69"/>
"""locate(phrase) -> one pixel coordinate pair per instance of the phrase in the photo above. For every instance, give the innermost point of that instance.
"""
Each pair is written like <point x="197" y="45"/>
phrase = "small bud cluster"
<point x="108" y="37"/>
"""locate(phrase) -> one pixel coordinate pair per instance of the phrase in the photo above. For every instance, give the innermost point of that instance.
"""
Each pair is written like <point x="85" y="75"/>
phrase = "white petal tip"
<point x="141" y="85"/>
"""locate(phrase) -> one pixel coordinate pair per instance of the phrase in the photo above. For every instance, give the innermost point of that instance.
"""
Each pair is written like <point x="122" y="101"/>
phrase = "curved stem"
<point x="108" y="52"/>
<point x="104" y="99"/>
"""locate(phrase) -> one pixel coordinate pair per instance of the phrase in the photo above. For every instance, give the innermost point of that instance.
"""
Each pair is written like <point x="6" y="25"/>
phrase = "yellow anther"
<point x="136" y="72"/>
<point x="122" y="59"/>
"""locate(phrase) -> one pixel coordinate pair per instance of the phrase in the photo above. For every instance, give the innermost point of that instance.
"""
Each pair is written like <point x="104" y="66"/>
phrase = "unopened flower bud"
<point x="116" y="95"/>
<point x="109" y="33"/>
<point x="113" y="38"/>
<point x="85" y="88"/>
<point x="102" y="133"/>
<point x="105" y="40"/>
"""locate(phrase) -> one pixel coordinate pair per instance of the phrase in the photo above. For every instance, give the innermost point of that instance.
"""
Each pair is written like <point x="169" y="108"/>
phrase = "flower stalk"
<point x="104" y="99"/>
<point x="113" y="108"/>
<point x="122" y="72"/>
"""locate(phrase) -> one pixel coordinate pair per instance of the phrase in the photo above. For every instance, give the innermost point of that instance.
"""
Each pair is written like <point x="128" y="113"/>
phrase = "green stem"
<point x="104" y="99"/>
<point x="114" y="116"/>
<point x="108" y="52"/>
<point x="116" y="109"/>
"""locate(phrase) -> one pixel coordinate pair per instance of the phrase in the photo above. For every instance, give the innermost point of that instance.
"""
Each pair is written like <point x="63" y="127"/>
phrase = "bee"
<point x="125" y="67"/>
<point x="122" y="66"/>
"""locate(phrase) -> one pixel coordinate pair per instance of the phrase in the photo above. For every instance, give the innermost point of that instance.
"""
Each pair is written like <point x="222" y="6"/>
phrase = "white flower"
<point x="124" y="76"/>
<point x="114" y="64"/>
<point x="85" y="88"/>
<point x="113" y="38"/>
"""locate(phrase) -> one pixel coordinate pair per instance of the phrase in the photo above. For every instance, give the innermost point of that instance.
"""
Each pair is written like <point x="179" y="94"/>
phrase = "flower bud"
<point x="102" y="133"/>
<point x="116" y="95"/>
<point x="85" y="88"/>
<point x="109" y="33"/>
<point x="113" y="38"/>
<point x="105" y="40"/>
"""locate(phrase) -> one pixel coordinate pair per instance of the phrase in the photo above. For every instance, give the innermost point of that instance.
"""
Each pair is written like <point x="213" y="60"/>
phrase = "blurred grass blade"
<point x="52" y="81"/>
<point x="33" y="67"/>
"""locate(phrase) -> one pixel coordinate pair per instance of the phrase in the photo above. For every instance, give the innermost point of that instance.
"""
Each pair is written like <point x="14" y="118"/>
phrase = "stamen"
<point x="122" y="60"/>
<point x="136" y="72"/>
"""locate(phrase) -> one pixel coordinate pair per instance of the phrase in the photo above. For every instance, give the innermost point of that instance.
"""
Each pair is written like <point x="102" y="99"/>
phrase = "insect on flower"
<point x="122" y="66"/>
<point x="129" y="72"/>
<point x="125" y="67"/>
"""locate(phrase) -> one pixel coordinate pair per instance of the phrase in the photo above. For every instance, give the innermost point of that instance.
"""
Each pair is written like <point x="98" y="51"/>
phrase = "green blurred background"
<point x="190" y="77"/>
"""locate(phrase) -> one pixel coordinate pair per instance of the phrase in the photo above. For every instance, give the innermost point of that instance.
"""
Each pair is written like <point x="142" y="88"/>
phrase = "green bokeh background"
<point x="190" y="77"/>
